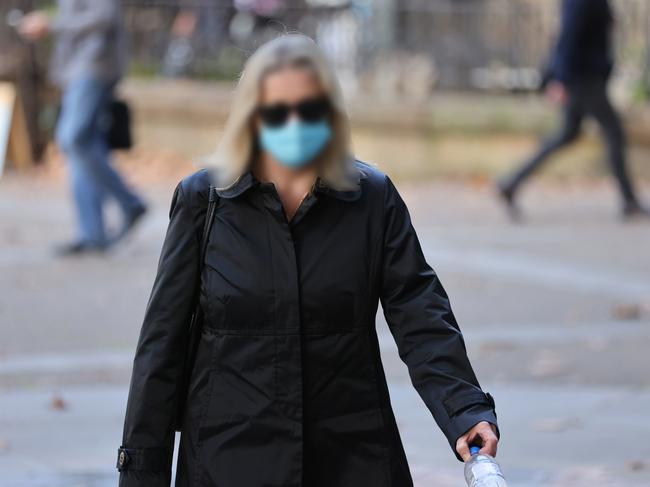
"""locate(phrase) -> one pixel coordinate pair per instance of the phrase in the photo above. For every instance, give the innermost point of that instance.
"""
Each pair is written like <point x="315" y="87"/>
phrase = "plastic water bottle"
<point x="483" y="470"/>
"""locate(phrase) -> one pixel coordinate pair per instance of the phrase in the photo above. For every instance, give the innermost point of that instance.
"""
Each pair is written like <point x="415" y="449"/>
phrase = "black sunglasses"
<point x="308" y="110"/>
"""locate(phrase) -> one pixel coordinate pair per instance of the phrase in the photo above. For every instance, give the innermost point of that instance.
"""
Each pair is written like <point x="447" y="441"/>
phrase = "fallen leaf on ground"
<point x="627" y="311"/>
<point x="58" y="403"/>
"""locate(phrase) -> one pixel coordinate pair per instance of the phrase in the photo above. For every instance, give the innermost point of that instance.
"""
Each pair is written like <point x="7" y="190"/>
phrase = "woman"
<point x="287" y="387"/>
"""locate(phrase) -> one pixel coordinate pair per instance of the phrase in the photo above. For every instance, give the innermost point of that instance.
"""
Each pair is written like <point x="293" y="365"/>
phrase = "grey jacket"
<point x="90" y="41"/>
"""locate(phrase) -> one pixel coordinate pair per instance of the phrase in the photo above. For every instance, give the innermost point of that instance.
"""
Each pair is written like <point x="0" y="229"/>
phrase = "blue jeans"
<point x="81" y="136"/>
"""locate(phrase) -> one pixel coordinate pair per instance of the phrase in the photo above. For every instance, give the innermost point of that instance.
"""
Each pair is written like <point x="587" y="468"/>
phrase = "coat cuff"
<point x="466" y="411"/>
<point x="137" y="478"/>
<point x="144" y="467"/>
<point x="143" y="459"/>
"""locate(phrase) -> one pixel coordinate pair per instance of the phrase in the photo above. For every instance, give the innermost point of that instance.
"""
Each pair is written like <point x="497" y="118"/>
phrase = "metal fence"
<point x="392" y="46"/>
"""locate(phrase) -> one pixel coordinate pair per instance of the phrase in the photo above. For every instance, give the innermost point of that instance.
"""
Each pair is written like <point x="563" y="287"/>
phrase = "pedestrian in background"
<point x="87" y="62"/>
<point x="579" y="72"/>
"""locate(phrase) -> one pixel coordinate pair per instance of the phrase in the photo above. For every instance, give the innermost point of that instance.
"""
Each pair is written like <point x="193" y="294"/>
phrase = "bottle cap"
<point x="473" y="450"/>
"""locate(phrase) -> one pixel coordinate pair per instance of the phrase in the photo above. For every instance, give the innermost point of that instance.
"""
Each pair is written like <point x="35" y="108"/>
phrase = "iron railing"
<point x="398" y="46"/>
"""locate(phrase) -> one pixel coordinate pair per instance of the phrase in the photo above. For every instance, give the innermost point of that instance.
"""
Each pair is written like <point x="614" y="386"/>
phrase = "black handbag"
<point x="196" y="322"/>
<point x="119" y="130"/>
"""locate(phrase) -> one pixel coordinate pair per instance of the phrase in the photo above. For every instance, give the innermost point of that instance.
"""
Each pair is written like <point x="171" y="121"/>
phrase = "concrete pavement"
<point x="556" y="315"/>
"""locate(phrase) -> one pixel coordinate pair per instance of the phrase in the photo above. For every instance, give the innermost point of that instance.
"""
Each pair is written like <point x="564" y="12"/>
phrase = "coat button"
<point x="122" y="460"/>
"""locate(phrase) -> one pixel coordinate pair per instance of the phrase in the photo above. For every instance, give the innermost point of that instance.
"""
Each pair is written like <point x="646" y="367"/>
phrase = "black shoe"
<point x="633" y="209"/>
<point x="135" y="217"/>
<point x="130" y="222"/>
<point x="507" y="196"/>
<point x="79" y="248"/>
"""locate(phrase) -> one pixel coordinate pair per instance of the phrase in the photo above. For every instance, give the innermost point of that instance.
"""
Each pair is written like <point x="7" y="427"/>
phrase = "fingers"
<point x="462" y="447"/>
<point x="482" y="434"/>
<point x="489" y="441"/>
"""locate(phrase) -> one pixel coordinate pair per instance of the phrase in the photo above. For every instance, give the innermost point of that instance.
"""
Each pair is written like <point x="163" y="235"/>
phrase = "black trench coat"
<point x="288" y="389"/>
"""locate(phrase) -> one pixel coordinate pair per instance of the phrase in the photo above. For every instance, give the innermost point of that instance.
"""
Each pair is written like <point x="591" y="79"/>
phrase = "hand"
<point x="483" y="434"/>
<point x="34" y="25"/>
<point x="557" y="93"/>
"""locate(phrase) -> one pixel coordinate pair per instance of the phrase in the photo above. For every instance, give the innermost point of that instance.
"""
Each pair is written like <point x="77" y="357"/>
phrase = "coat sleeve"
<point x="574" y="20"/>
<point x="428" y="338"/>
<point x="149" y="428"/>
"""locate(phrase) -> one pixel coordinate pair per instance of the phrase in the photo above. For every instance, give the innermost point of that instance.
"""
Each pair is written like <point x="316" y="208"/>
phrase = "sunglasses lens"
<point x="313" y="110"/>
<point x="275" y="115"/>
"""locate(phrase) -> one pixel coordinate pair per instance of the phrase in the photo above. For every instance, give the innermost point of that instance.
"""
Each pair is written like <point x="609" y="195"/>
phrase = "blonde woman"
<point x="286" y="385"/>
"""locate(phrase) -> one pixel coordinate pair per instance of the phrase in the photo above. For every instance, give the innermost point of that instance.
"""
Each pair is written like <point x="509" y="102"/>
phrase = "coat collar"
<point x="244" y="182"/>
<point x="247" y="180"/>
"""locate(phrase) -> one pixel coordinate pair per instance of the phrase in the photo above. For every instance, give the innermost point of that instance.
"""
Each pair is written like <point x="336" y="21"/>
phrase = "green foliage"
<point x="641" y="92"/>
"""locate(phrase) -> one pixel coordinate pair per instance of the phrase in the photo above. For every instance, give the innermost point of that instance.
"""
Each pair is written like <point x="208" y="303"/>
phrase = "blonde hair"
<point x="236" y="148"/>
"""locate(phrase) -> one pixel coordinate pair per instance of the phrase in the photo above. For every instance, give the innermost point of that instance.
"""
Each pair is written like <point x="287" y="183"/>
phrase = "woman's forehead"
<point x="289" y="84"/>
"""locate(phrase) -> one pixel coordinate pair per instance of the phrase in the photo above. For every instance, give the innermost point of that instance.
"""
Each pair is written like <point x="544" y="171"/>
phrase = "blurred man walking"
<point x="88" y="60"/>
<point x="579" y="73"/>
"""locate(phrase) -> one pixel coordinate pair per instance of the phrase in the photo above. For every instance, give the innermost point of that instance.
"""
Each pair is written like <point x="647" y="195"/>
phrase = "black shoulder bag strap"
<point x="196" y="322"/>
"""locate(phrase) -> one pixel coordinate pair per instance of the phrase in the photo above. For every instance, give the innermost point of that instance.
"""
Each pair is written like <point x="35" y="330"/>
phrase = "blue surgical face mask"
<point x="295" y="143"/>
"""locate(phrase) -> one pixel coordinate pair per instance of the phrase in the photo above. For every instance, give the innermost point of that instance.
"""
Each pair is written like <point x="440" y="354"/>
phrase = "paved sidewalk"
<point x="556" y="315"/>
<point x="80" y="443"/>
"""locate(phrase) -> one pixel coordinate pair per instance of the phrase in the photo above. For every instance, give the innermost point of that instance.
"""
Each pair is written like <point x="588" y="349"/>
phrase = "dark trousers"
<point x="586" y="99"/>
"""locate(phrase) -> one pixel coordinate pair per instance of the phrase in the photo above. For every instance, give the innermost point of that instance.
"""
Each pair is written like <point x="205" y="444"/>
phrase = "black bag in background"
<point x="119" y="131"/>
